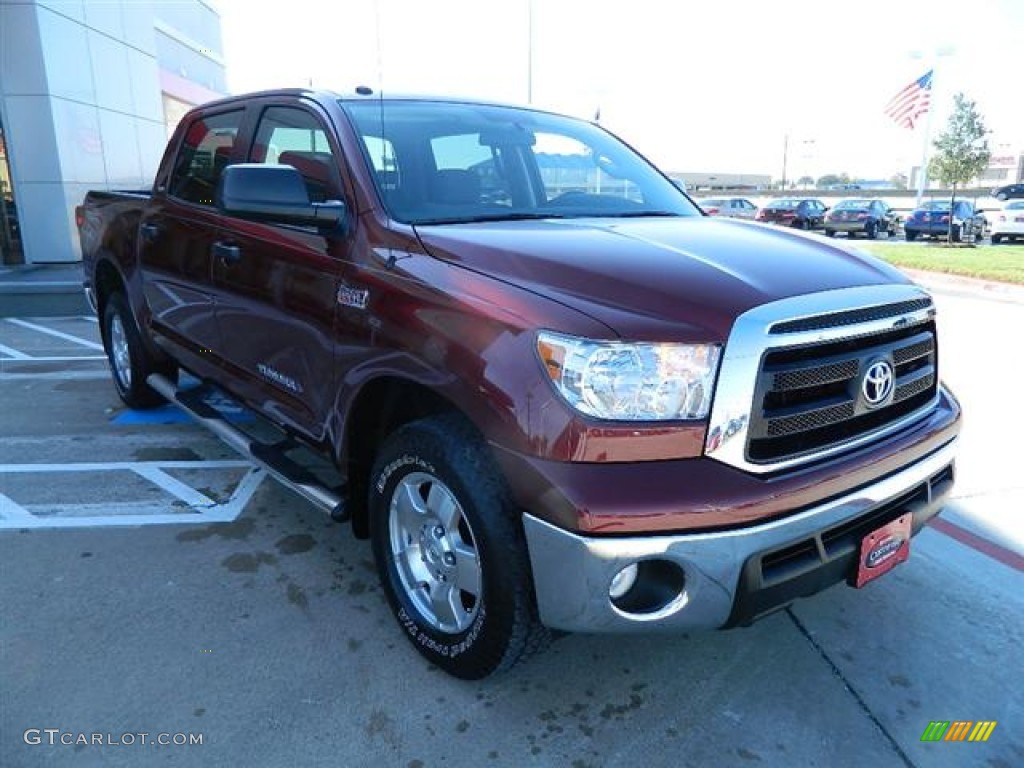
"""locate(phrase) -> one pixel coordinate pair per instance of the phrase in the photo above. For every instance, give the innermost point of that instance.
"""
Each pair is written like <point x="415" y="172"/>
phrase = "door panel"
<point x="275" y="310"/>
<point x="276" y="285"/>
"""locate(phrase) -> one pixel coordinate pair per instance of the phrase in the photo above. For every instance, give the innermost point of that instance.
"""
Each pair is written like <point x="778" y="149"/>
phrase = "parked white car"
<point x="1007" y="223"/>
<point x="736" y="207"/>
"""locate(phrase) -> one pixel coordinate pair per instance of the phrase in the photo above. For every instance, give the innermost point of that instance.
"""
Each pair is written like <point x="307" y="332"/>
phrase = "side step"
<point x="271" y="456"/>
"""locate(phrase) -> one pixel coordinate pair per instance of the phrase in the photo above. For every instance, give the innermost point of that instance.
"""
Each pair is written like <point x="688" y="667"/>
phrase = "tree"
<point x="961" y="150"/>
<point x="805" y="181"/>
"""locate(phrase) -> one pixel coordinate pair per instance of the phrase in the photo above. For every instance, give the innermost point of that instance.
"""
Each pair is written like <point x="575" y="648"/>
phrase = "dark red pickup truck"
<point x="555" y="394"/>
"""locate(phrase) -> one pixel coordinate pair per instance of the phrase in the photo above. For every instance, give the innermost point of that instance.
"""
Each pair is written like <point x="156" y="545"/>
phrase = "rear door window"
<point x="205" y="152"/>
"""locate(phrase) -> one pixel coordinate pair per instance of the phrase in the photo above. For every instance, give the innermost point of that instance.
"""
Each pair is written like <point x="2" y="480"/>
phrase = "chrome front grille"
<point x="791" y="387"/>
<point x="808" y="398"/>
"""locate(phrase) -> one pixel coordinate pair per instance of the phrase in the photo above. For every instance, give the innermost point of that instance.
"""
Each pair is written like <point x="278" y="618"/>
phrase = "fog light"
<point x="623" y="581"/>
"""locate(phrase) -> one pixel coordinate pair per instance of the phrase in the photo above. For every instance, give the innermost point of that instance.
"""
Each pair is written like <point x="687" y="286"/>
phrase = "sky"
<point x="695" y="85"/>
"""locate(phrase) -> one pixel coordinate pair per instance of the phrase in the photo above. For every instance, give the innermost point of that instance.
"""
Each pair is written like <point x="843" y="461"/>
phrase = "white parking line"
<point x="10" y="509"/>
<point x="200" y="508"/>
<point x="13" y="353"/>
<point x="175" y="487"/>
<point x="131" y="466"/>
<point x="49" y="358"/>
<point x="56" y="334"/>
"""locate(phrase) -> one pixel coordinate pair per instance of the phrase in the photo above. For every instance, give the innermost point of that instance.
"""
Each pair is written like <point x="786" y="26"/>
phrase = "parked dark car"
<point x="1008" y="192"/>
<point x="791" y="212"/>
<point x="861" y="216"/>
<point x="932" y="220"/>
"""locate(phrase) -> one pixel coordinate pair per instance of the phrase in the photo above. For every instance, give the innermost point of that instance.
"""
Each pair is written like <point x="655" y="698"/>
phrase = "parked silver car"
<point x="735" y="207"/>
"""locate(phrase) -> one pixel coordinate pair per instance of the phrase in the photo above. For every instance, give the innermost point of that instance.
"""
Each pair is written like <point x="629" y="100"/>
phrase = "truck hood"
<point x="658" y="279"/>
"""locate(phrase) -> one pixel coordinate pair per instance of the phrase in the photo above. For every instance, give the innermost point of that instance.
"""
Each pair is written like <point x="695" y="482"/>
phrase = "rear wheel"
<point x="910" y="235"/>
<point x="130" y="362"/>
<point x="450" y="550"/>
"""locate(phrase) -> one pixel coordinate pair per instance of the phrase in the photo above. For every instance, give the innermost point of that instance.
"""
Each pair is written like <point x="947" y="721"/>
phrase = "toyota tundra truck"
<point x="554" y="395"/>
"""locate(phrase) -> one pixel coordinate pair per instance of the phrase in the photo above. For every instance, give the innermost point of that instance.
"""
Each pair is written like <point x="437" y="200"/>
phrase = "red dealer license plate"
<point x="883" y="549"/>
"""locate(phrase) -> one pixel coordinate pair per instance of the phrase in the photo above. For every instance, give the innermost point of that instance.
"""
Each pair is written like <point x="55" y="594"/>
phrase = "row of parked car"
<point x="872" y="217"/>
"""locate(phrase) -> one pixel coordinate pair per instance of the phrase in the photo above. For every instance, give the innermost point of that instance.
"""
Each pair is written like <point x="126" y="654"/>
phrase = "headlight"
<point x="631" y="382"/>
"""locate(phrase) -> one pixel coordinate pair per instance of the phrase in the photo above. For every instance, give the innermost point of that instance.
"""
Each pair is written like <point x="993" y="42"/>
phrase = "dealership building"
<point x="89" y="92"/>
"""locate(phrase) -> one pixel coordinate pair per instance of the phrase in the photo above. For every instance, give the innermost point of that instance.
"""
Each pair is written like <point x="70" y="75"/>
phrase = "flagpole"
<point x="922" y="176"/>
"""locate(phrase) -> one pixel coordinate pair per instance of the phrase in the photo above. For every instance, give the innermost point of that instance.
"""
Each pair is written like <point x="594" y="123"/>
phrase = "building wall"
<point x="82" y="92"/>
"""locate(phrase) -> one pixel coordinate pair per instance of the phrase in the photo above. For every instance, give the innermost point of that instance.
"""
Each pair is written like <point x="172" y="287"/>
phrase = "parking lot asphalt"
<point x="152" y="583"/>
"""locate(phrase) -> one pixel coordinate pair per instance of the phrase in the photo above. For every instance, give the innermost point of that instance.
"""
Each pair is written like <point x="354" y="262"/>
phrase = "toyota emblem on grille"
<point x="877" y="385"/>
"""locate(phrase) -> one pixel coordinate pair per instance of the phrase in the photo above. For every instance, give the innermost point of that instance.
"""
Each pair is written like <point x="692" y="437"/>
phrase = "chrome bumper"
<point x="572" y="574"/>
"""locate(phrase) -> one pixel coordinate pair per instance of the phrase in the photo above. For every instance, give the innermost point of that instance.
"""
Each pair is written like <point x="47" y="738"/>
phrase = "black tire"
<point x="130" y="362"/>
<point x="830" y="233"/>
<point x="955" y="234"/>
<point x="871" y="230"/>
<point x="417" y="561"/>
<point x="909" y="235"/>
<point x="997" y="239"/>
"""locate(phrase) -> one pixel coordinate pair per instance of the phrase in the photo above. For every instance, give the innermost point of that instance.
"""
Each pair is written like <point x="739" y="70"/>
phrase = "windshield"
<point x="784" y="204"/>
<point x="448" y="162"/>
<point x="852" y="204"/>
<point x="935" y="206"/>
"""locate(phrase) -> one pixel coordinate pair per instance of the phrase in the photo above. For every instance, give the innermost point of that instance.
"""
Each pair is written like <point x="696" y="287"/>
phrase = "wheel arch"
<point x="107" y="280"/>
<point x="383" y="405"/>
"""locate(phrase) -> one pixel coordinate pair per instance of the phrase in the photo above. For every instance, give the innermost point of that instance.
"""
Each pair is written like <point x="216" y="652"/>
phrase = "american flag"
<point x="912" y="102"/>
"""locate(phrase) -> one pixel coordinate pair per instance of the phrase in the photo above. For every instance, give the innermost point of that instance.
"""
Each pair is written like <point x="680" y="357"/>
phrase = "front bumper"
<point x="727" y="577"/>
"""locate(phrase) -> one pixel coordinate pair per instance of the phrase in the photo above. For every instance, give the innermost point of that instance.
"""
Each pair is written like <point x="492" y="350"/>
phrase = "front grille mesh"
<point x="809" y="398"/>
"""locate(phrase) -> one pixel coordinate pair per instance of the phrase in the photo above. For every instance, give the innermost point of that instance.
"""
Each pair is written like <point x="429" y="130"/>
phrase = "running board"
<point x="271" y="456"/>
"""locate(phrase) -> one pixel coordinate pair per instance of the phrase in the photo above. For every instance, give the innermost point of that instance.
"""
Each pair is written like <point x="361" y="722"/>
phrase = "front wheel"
<point x="130" y="362"/>
<point x="450" y="550"/>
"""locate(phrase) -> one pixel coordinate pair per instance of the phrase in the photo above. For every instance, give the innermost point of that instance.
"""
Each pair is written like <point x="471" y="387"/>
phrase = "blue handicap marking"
<point x="172" y="414"/>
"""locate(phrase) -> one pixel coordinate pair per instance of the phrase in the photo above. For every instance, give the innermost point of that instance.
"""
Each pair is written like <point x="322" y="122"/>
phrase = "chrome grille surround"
<point x="756" y="333"/>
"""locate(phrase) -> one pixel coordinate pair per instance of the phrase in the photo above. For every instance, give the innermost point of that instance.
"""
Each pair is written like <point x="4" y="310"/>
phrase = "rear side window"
<point x="292" y="136"/>
<point x="203" y="156"/>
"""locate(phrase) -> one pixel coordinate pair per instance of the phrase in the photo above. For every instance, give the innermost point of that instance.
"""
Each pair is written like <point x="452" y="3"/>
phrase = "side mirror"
<point x="275" y="194"/>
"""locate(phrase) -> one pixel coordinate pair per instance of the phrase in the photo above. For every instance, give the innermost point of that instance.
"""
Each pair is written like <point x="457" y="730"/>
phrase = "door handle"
<point x="228" y="254"/>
